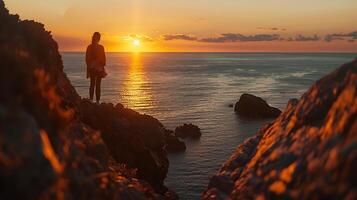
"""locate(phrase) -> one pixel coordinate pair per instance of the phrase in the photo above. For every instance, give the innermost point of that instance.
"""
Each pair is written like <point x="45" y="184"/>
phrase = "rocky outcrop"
<point x="251" y="106"/>
<point x="309" y="152"/>
<point x="188" y="131"/>
<point x="173" y="143"/>
<point x="135" y="139"/>
<point x="72" y="163"/>
<point x="53" y="144"/>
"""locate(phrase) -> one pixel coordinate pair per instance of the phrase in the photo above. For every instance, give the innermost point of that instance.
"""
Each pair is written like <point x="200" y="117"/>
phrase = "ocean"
<point x="198" y="88"/>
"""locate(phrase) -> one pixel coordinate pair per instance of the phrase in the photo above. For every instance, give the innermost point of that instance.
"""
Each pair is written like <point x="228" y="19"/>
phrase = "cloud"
<point x="232" y="37"/>
<point x="272" y="28"/>
<point x="142" y="38"/>
<point x="353" y="35"/>
<point x="341" y="36"/>
<point x="302" y="38"/>
<point x="332" y="37"/>
<point x="179" y="37"/>
<point x="237" y="37"/>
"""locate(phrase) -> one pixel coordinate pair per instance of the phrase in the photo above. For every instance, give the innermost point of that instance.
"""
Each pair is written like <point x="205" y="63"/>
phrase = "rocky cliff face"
<point x="309" y="152"/>
<point x="53" y="144"/>
<point x="135" y="139"/>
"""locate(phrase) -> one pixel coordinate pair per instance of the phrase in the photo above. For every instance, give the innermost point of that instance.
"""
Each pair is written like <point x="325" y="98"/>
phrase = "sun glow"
<point x="136" y="43"/>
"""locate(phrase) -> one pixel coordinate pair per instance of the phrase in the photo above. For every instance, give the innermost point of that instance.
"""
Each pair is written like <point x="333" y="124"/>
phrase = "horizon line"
<point x="334" y="52"/>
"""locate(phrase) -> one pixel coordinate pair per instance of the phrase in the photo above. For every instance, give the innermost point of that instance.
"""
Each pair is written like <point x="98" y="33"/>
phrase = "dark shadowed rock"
<point x="132" y="138"/>
<point x="293" y="102"/>
<point x="173" y="143"/>
<point x="188" y="131"/>
<point x="309" y="152"/>
<point x="251" y="106"/>
<point x="21" y="153"/>
<point x="223" y="183"/>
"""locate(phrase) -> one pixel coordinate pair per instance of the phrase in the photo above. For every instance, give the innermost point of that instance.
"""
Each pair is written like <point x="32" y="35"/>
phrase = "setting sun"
<point x="136" y="42"/>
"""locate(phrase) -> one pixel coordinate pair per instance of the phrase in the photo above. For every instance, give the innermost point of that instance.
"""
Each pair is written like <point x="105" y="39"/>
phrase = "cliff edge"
<point x="308" y="152"/>
<point x="53" y="144"/>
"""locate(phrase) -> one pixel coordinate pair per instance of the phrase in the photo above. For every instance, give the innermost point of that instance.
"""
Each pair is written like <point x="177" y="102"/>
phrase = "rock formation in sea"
<point x="188" y="131"/>
<point x="251" y="106"/>
<point x="173" y="143"/>
<point x="53" y="144"/>
<point x="308" y="152"/>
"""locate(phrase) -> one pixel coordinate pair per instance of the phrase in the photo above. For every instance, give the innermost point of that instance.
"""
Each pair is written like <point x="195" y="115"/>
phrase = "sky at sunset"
<point x="197" y="25"/>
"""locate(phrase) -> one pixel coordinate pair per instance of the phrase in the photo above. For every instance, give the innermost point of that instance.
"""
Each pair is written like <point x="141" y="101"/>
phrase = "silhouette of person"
<point x="95" y="60"/>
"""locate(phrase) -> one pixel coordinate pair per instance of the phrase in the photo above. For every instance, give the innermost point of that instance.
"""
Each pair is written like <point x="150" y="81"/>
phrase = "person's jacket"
<point x="95" y="55"/>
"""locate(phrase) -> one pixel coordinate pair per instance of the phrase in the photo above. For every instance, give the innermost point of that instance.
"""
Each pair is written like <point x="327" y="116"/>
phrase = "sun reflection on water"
<point x="137" y="91"/>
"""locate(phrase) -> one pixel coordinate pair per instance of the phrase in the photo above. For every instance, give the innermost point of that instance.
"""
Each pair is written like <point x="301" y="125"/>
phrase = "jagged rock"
<point x="21" y="153"/>
<point x="293" y="102"/>
<point x="172" y="195"/>
<point x="173" y="143"/>
<point x="309" y="152"/>
<point x="135" y="139"/>
<point x="251" y="106"/>
<point x="222" y="183"/>
<point x="188" y="130"/>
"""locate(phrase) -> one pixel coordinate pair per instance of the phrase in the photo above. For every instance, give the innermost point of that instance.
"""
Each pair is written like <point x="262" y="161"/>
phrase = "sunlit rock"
<point x="309" y="152"/>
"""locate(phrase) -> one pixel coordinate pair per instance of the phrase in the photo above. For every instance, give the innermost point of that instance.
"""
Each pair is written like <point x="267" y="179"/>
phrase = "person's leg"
<point x="97" y="88"/>
<point x="91" y="87"/>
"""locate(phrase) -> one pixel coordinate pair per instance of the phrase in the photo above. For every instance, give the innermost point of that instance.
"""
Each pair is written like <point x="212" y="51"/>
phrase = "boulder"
<point x="188" y="131"/>
<point x="308" y="152"/>
<point x="173" y="143"/>
<point x="251" y="106"/>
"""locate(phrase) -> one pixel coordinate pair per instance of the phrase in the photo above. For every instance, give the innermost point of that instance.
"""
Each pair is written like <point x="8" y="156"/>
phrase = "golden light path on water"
<point x="136" y="86"/>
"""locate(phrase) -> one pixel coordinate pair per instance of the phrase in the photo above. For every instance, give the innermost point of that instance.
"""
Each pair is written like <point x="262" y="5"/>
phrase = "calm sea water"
<point x="197" y="88"/>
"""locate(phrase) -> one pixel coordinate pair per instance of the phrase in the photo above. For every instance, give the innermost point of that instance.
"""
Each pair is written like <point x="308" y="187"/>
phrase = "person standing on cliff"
<point x="95" y="60"/>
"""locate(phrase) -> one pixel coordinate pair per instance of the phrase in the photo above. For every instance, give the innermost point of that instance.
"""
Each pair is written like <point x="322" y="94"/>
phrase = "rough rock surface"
<point x="251" y="106"/>
<point x="309" y="152"/>
<point x="132" y="138"/>
<point x="48" y="149"/>
<point x="188" y="131"/>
